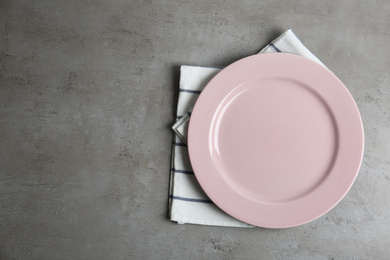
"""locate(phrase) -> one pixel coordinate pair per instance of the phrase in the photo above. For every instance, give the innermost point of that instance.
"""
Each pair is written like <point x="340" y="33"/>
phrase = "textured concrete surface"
<point x="87" y="96"/>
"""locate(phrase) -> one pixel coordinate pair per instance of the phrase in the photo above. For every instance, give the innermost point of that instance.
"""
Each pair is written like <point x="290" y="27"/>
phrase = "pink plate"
<point x="275" y="140"/>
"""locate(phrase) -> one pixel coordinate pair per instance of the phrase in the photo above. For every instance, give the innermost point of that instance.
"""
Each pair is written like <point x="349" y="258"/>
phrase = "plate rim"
<point x="262" y="59"/>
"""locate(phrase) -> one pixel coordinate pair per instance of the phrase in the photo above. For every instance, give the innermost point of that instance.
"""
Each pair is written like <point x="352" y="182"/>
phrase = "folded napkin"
<point x="187" y="201"/>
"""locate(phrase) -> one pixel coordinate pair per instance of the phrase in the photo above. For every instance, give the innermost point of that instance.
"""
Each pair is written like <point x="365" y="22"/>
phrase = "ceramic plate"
<point x="275" y="140"/>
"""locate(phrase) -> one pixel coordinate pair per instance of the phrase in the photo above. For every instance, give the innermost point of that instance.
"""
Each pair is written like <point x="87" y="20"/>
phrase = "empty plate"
<point x="275" y="140"/>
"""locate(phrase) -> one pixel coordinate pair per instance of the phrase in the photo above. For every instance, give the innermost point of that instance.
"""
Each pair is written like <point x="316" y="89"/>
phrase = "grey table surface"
<point x="88" y="92"/>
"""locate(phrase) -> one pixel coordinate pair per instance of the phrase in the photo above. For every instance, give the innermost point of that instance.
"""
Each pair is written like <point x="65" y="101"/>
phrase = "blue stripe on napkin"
<point x="274" y="47"/>
<point x="182" y="171"/>
<point x="190" y="199"/>
<point x="180" y="144"/>
<point x="190" y="91"/>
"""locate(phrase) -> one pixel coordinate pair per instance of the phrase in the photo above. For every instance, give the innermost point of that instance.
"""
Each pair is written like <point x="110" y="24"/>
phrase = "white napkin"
<point x="187" y="201"/>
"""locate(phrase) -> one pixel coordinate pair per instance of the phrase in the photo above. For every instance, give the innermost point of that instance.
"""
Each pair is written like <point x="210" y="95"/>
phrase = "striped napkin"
<point x="187" y="201"/>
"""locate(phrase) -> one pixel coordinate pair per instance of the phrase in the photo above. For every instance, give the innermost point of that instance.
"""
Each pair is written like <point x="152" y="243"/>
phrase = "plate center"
<point x="274" y="140"/>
